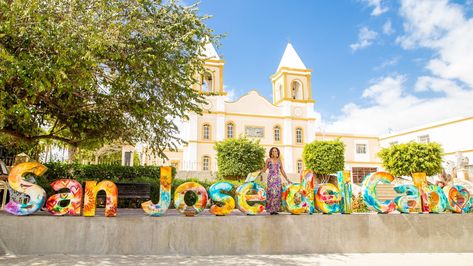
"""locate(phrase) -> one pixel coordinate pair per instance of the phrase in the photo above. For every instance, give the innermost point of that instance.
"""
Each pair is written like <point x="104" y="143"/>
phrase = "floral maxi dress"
<point x="274" y="189"/>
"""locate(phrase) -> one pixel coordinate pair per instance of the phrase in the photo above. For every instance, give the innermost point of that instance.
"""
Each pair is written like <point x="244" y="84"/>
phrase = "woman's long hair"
<point x="271" y="152"/>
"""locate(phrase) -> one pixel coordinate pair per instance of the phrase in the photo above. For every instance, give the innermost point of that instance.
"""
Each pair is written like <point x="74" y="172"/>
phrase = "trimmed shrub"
<point x="413" y="157"/>
<point x="238" y="157"/>
<point x="324" y="158"/>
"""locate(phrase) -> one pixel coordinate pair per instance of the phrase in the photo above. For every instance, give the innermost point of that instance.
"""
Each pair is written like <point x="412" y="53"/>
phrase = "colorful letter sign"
<point x="165" y="182"/>
<point x="459" y="199"/>
<point x="327" y="198"/>
<point x="227" y="202"/>
<point x="410" y="202"/>
<point x="259" y="194"/>
<point x="36" y="193"/>
<point x="74" y="196"/>
<point x="91" y="190"/>
<point x="307" y="180"/>
<point x="344" y="185"/>
<point x="297" y="198"/>
<point x="294" y="199"/>
<point x="181" y="191"/>
<point x="368" y="190"/>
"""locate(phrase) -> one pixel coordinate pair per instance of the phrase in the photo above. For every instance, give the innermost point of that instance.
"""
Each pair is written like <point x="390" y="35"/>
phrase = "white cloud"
<point x="443" y="28"/>
<point x="365" y="39"/>
<point x="426" y="83"/>
<point x="427" y="22"/>
<point x="386" y="90"/>
<point x="376" y="5"/>
<point x="388" y="27"/>
<point x="392" y="108"/>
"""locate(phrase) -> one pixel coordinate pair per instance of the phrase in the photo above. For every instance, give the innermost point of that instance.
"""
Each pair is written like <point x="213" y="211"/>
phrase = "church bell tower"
<point x="291" y="82"/>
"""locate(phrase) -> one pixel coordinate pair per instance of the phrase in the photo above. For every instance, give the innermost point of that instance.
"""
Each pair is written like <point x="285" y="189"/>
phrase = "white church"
<point x="287" y="122"/>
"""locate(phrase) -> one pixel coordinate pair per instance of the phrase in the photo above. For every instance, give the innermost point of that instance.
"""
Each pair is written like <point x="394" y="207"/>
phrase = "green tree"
<point x="407" y="158"/>
<point x="10" y="147"/>
<point x="324" y="158"/>
<point x="88" y="72"/>
<point x="238" y="157"/>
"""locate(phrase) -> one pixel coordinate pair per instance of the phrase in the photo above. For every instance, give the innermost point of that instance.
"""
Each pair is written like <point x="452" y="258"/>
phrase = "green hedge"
<point x="115" y="173"/>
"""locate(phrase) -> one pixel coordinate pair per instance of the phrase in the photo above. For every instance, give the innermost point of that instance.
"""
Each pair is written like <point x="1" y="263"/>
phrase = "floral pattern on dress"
<point x="274" y="189"/>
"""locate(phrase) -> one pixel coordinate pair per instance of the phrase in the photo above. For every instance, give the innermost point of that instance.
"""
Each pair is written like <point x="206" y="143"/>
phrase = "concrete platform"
<point x="132" y="232"/>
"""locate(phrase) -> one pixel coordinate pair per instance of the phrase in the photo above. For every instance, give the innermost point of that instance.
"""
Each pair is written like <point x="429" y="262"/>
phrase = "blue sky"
<point x="377" y="65"/>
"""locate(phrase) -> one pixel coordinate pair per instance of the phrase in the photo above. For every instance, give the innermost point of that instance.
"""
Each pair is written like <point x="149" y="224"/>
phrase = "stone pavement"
<point x="385" y="259"/>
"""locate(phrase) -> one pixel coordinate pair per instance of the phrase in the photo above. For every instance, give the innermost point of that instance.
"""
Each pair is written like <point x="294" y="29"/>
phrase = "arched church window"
<point x="299" y="166"/>
<point x="207" y="82"/>
<point x="205" y="163"/>
<point x="277" y="133"/>
<point x="299" y="135"/>
<point x="206" y="132"/>
<point x="230" y="130"/>
<point x="296" y="90"/>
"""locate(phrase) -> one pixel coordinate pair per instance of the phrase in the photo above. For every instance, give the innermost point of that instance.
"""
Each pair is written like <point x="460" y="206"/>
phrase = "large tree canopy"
<point x="95" y="71"/>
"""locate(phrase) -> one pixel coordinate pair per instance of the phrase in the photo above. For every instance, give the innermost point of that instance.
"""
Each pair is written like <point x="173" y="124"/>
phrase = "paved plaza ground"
<point x="458" y="259"/>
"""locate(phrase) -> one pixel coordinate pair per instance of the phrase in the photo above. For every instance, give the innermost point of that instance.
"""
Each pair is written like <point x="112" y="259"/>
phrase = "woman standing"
<point x="274" y="185"/>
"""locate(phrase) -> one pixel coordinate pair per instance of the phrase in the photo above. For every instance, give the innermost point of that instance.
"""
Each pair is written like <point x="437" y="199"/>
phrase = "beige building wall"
<point x="240" y="121"/>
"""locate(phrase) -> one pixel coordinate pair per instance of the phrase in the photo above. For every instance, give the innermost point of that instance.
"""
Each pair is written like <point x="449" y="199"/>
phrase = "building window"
<point x="423" y="139"/>
<point x="277" y="133"/>
<point x="206" y="132"/>
<point x="299" y="166"/>
<point x="207" y="83"/>
<point x="359" y="173"/>
<point x="205" y="163"/>
<point x="361" y="148"/>
<point x="299" y="135"/>
<point x="296" y="90"/>
<point x="230" y="130"/>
